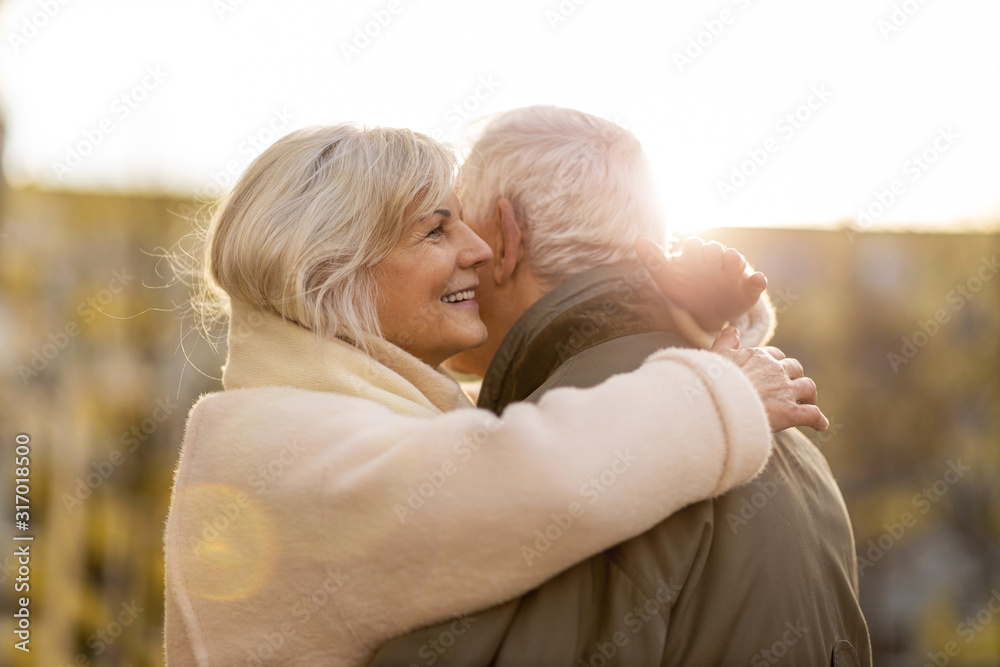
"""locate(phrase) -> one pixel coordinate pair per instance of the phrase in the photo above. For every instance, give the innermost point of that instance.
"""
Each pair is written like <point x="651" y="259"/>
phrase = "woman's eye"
<point x="436" y="232"/>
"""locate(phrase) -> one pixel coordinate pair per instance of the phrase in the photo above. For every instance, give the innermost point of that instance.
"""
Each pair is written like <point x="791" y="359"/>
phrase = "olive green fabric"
<point x="764" y="575"/>
<point x="603" y="304"/>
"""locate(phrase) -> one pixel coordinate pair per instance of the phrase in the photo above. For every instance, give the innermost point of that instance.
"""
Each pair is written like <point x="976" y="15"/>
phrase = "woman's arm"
<point x="433" y="517"/>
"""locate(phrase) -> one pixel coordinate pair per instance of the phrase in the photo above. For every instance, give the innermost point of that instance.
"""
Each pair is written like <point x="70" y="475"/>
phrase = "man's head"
<point x="554" y="192"/>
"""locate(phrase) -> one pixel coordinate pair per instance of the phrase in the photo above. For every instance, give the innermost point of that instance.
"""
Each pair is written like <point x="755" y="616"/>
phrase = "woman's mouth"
<point x="458" y="297"/>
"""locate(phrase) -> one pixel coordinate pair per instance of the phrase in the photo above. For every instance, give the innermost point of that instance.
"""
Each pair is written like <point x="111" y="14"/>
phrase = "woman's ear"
<point x="509" y="243"/>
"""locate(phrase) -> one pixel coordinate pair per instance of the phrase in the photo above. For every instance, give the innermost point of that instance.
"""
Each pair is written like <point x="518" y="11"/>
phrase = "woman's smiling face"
<point x="426" y="284"/>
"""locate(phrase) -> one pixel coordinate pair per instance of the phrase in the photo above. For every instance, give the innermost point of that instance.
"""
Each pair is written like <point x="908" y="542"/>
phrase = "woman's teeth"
<point x="459" y="296"/>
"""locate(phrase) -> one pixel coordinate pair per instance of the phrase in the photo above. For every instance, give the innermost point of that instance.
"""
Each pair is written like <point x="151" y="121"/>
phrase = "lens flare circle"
<point x="229" y="542"/>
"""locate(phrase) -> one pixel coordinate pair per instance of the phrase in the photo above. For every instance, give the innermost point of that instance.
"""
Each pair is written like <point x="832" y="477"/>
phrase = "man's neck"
<point x="507" y="308"/>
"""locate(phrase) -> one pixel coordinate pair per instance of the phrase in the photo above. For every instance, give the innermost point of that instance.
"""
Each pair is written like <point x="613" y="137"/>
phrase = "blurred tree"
<point x="119" y="390"/>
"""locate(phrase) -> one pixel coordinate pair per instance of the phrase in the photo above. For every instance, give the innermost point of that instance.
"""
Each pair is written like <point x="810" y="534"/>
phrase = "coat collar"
<point x="266" y="349"/>
<point x="593" y="307"/>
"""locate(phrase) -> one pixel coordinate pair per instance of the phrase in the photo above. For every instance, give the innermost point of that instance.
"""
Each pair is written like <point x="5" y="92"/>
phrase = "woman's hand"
<point x="708" y="280"/>
<point x="789" y="397"/>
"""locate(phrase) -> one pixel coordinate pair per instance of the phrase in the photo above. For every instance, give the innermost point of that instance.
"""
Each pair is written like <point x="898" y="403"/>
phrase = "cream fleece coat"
<point x="328" y="500"/>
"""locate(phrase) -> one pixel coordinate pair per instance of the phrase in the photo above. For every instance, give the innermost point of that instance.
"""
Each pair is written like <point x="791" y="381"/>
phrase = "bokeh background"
<point x="849" y="150"/>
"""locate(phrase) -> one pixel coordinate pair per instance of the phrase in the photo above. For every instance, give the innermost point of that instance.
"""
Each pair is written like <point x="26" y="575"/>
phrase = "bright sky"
<point x="754" y="112"/>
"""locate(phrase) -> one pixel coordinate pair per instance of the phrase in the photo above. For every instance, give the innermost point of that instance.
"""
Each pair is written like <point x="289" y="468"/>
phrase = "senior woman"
<point x="342" y="490"/>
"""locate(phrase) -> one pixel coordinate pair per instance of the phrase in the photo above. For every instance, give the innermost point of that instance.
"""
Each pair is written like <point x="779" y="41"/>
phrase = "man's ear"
<point x="510" y="243"/>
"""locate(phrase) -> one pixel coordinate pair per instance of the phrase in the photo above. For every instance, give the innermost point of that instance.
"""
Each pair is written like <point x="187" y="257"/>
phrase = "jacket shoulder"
<point x="276" y="400"/>
<point x="596" y="364"/>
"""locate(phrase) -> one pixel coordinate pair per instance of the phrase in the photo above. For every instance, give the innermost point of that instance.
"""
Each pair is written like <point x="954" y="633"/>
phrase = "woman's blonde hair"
<point x="303" y="228"/>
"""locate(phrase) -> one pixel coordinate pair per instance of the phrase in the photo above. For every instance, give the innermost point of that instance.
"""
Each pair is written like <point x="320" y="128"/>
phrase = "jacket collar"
<point x="591" y="308"/>
<point x="266" y="349"/>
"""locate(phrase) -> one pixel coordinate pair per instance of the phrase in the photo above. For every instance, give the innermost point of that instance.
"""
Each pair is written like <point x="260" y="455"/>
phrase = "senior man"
<point x="763" y="574"/>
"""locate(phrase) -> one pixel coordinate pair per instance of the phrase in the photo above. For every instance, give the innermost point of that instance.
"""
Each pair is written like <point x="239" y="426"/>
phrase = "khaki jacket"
<point x="765" y="574"/>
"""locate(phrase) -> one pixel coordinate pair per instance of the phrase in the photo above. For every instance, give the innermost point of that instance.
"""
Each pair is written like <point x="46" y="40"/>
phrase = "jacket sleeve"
<point x="436" y="517"/>
<point x="486" y="509"/>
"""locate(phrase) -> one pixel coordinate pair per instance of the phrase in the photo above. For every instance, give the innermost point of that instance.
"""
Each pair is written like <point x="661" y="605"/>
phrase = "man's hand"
<point x="708" y="280"/>
<point x="789" y="397"/>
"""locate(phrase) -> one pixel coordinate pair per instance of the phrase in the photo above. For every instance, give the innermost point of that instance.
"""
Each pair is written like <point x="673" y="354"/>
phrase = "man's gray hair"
<point x="581" y="184"/>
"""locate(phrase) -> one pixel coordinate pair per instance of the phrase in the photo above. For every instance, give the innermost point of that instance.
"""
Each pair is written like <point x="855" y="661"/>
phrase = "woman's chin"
<point x="467" y="343"/>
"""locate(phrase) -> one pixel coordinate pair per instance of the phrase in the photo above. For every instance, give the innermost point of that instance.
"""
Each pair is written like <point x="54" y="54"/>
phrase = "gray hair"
<point x="581" y="184"/>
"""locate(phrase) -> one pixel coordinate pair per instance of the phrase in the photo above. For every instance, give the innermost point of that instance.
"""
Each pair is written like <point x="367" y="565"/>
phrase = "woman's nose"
<point x="475" y="252"/>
